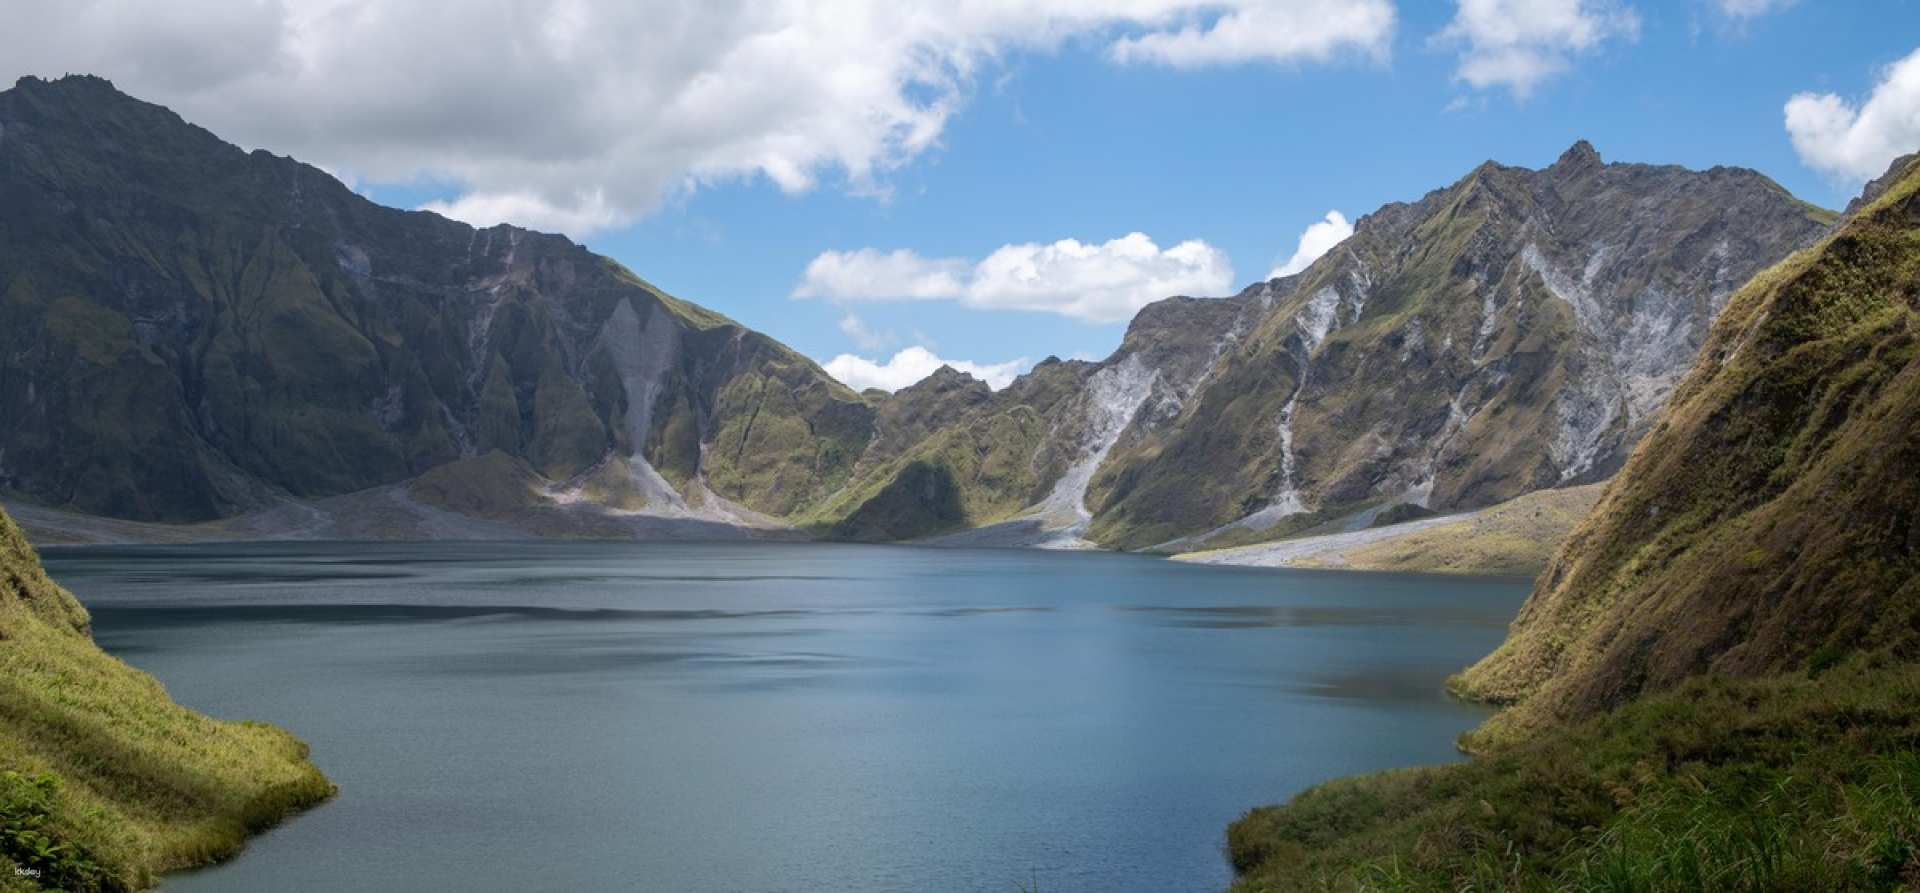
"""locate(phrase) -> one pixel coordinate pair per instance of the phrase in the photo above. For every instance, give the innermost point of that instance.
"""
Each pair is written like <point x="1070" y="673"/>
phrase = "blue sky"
<point x="1067" y="145"/>
<point x="1038" y="140"/>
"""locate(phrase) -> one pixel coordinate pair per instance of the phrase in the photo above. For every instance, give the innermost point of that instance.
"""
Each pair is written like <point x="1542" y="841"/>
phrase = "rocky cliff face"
<point x="189" y="331"/>
<point x="1017" y="467"/>
<point x="1771" y="521"/>
<point x="1515" y="331"/>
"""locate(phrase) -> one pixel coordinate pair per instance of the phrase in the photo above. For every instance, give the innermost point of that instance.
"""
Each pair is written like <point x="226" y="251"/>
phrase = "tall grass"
<point x="104" y="781"/>
<point x="1784" y="784"/>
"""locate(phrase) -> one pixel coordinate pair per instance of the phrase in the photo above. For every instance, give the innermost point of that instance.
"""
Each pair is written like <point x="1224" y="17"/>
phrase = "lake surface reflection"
<point x="718" y="717"/>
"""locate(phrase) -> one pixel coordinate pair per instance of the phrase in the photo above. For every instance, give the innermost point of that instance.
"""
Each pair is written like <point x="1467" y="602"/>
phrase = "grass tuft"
<point x="105" y="782"/>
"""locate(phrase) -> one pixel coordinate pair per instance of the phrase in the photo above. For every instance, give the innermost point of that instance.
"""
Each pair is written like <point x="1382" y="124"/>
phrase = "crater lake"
<point x="770" y="716"/>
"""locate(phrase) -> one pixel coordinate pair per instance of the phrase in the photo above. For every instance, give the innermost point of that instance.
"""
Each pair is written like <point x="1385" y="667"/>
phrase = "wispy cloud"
<point x="856" y="329"/>
<point x="1749" y="9"/>
<point x="1273" y="31"/>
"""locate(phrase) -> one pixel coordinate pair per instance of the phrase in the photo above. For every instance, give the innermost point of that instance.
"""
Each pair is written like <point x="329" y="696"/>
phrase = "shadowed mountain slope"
<point x="189" y="331"/>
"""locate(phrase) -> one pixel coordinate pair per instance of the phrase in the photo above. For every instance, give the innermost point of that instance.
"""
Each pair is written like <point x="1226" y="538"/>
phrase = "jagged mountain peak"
<point x="944" y="377"/>
<point x="1509" y="332"/>
<point x="1512" y="331"/>
<point x="1578" y="156"/>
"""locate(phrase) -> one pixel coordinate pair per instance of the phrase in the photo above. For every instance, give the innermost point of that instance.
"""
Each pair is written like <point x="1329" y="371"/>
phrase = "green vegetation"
<point x="1782" y="784"/>
<point x="1770" y="516"/>
<point x="489" y="486"/>
<point x="1715" y="684"/>
<point x="104" y="781"/>
<point x="782" y="435"/>
<point x="949" y="457"/>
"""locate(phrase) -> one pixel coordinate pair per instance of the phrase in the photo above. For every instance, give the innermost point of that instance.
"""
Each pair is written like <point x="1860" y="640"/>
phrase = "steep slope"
<point x="189" y="331"/>
<point x="1021" y="463"/>
<point x="1514" y="331"/>
<point x="104" y="781"/>
<point x="1769" y="785"/>
<point x="982" y="462"/>
<point x="1771" y="520"/>
<point x="1713" y="686"/>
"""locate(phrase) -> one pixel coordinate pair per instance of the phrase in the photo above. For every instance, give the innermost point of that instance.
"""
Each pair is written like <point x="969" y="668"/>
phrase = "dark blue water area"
<point x="759" y="717"/>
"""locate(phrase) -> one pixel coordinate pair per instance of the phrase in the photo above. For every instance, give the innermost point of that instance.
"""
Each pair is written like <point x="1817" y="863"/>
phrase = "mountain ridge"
<point x="1771" y="518"/>
<point x="259" y="334"/>
<point x="288" y="359"/>
<point x="1460" y="363"/>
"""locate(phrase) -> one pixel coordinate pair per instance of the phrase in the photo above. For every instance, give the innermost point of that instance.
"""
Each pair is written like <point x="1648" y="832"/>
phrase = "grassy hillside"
<point x="1713" y="686"/>
<point x="1784" y="784"/>
<point x="979" y="464"/>
<point x="1772" y="519"/>
<point x="104" y="781"/>
<point x="1516" y="537"/>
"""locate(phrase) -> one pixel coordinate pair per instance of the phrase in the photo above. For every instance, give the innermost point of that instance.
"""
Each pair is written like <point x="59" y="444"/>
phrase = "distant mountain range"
<point x="194" y="334"/>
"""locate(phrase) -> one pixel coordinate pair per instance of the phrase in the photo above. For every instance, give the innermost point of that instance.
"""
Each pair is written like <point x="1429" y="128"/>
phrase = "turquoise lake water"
<point x="762" y="717"/>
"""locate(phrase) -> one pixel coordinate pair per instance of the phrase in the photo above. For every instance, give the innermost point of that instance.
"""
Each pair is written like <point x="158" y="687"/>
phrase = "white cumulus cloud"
<point x="1103" y="282"/>
<point x="582" y="114"/>
<point x="1274" y="31"/>
<point x="913" y="364"/>
<point x="1519" y="43"/>
<point x="1857" y="142"/>
<point x="1317" y="239"/>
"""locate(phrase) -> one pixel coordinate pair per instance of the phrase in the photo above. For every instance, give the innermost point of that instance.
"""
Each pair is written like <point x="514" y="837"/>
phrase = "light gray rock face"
<point x="1519" y="329"/>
